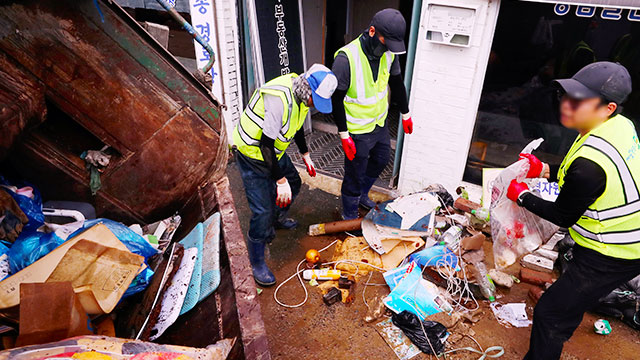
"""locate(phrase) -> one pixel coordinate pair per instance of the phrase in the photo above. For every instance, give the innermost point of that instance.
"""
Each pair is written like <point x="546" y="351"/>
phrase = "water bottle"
<point x="481" y="213"/>
<point x="452" y="235"/>
<point x="487" y="287"/>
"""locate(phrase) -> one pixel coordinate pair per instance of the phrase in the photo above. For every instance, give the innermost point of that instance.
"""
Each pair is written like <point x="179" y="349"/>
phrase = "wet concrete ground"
<point x="315" y="331"/>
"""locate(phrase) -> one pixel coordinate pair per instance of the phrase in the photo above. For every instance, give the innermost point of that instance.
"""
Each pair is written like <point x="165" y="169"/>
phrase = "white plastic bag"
<point x="515" y="230"/>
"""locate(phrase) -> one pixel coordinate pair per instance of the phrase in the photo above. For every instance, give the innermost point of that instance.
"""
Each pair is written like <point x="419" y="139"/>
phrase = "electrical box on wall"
<point x="450" y="25"/>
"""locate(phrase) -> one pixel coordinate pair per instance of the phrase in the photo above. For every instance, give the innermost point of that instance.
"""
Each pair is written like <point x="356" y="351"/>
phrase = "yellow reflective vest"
<point x="611" y="225"/>
<point x="248" y="132"/>
<point x="367" y="102"/>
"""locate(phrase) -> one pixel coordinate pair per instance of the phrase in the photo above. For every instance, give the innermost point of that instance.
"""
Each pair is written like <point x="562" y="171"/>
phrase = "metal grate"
<point x="327" y="155"/>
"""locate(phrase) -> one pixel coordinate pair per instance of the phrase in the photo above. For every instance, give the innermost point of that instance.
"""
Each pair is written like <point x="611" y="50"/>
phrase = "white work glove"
<point x="311" y="168"/>
<point x="283" y="193"/>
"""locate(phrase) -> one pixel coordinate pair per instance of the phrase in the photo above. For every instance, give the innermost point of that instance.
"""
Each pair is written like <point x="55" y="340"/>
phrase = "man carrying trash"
<point x="599" y="201"/>
<point x="273" y="117"/>
<point x="365" y="68"/>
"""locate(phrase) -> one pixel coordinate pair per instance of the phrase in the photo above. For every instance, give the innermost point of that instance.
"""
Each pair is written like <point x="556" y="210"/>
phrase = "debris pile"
<point x="67" y="274"/>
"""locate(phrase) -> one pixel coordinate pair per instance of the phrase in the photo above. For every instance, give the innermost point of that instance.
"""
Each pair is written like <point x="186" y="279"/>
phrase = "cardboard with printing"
<point x="42" y="269"/>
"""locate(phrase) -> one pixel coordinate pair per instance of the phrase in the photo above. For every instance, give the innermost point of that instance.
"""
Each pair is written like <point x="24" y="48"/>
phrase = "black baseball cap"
<point x="390" y="24"/>
<point x="604" y="79"/>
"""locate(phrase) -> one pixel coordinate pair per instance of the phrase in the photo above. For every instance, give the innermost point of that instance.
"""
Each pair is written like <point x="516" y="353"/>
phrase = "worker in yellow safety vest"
<point x="366" y="69"/>
<point x="599" y="201"/>
<point x="274" y="116"/>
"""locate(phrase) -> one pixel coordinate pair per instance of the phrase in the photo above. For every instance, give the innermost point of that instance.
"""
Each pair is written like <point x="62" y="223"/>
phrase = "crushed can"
<point x="602" y="327"/>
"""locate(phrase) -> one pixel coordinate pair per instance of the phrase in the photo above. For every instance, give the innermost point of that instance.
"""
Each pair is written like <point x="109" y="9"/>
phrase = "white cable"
<point x="297" y="273"/>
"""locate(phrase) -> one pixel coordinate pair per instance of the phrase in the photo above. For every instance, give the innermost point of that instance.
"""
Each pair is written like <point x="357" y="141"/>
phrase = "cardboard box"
<point x="40" y="271"/>
<point x="50" y="312"/>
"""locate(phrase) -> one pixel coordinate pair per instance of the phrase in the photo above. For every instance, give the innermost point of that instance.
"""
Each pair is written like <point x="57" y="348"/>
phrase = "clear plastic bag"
<point x="515" y="230"/>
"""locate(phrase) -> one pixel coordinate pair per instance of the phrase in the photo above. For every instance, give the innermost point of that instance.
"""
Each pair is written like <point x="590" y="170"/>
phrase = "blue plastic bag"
<point x="31" y="246"/>
<point x="134" y="242"/>
<point x="437" y="255"/>
<point x="31" y="207"/>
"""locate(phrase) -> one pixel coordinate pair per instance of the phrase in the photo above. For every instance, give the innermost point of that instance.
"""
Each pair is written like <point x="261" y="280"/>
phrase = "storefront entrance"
<point x="535" y="43"/>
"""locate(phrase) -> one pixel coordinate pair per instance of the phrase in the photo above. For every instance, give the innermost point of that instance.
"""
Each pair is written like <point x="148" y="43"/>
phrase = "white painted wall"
<point x="445" y="92"/>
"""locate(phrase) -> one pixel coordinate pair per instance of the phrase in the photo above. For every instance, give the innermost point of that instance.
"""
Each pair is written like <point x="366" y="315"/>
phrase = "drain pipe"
<point x="408" y="75"/>
<point x="185" y="24"/>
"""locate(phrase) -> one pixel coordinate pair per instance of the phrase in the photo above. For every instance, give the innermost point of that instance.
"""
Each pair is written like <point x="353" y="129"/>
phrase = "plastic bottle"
<point x="452" y="235"/>
<point x="481" y="213"/>
<point x="487" y="287"/>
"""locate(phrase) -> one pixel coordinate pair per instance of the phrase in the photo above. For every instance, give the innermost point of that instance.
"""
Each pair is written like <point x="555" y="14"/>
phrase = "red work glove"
<point x="535" y="165"/>
<point x="407" y="123"/>
<point x="311" y="168"/>
<point x="515" y="189"/>
<point x="348" y="145"/>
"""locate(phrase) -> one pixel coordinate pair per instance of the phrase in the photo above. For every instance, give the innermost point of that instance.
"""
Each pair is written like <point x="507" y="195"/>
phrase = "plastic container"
<point x="487" y="287"/>
<point x="452" y="235"/>
<point x="481" y="214"/>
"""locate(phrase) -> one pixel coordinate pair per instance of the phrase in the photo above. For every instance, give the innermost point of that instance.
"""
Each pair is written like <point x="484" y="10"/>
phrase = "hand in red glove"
<point x="515" y="189"/>
<point x="407" y="123"/>
<point x="535" y="165"/>
<point x="311" y="168"/>
<point x="348" y="145"/>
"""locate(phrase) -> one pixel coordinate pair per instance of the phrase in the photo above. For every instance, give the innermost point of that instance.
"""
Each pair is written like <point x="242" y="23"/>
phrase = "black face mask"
<point x="376" y="48"/>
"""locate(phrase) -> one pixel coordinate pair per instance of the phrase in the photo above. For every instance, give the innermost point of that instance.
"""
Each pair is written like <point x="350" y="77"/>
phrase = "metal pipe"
<point x="408" y="75"/>
<point x="185" y="24"/>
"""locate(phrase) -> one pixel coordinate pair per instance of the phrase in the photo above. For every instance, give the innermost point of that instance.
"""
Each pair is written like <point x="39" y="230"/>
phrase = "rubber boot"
<point x="350" y="207"/>
<point x="284" y="222"/>
<point x="365" y="201"/>
<point x="261" y="272"/>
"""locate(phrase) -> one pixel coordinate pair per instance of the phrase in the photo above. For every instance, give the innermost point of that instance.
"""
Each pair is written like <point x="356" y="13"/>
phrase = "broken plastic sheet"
<point x="412" y="293"/>
<point x="413" y="207"/>
<point x="514" y="314"/>
<point x="383" y="239"/>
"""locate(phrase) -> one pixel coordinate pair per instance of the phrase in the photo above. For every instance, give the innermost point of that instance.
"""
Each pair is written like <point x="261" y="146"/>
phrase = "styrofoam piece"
<point x="538" y="263"/>
<point x="176" y="292"/>
<point x="545" y="253"/>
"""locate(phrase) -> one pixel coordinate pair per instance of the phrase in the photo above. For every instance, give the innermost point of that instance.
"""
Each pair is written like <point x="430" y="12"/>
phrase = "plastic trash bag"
<point x="5" y="266"/>
<point x="412" y="293"/>
<point x="135" y="243"/>
<point x="410" y="325"/>
<point x="437" y="255"/>
<point x="515" y="230"/>
<point x="30" y="247"/>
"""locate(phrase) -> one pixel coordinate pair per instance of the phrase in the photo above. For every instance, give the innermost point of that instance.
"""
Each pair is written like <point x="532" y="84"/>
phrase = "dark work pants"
<point x="590" y="276"/>
<point x="260" y="189"/>
<point x="372" y="155"/>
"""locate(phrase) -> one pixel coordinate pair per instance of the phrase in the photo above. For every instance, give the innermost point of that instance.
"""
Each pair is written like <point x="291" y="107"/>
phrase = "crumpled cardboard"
<point x="41" y="270"/>
<point x="99" y="274"/>
<point x="357" y="249"/>
<point x="50" y="312"/>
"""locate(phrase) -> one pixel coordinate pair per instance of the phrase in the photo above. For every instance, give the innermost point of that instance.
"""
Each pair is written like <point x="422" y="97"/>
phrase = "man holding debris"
<point x="365" y="68"/>
<point x="273" y="117"/>
<point x="599" y="202"/>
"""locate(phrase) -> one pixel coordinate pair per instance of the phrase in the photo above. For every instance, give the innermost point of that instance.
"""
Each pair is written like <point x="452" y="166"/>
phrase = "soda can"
<point x="602" y="327"/>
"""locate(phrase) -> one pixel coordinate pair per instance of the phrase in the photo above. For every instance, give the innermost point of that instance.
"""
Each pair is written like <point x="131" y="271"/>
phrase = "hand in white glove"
<point x="283" y="193"/>
<point x="311" y="168"/>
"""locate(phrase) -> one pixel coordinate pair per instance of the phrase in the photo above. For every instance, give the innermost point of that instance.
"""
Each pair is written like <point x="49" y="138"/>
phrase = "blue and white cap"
<point x="323" y="83"/>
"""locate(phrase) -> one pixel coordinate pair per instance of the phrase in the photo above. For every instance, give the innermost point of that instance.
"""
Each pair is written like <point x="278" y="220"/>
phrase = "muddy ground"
<point x="315" y="331"/>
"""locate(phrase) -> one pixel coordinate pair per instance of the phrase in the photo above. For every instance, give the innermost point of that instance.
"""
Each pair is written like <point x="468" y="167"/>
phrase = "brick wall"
<point x="445" y="92"/>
